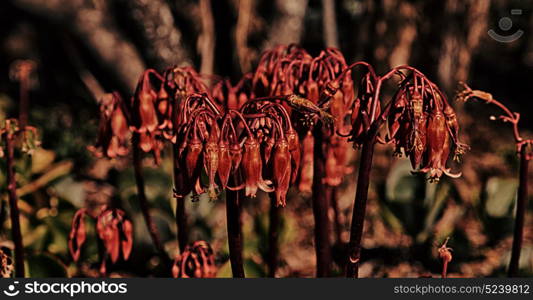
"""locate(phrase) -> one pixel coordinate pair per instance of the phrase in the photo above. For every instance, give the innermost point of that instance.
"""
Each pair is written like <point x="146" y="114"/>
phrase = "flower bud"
<point x="294" y="149"/>
<point x="253" y="166"/>
<point x="224" y="163"/>
<point x="281" y="170"/>
<point x="211" y="160"/>
<point x="192" y="158"/>
<point x="306" y="173"/>
<point x="77" y="234"/>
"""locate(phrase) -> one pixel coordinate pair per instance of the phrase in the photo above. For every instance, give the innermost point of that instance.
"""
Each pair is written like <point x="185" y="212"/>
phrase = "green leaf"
<point x="501" y="195"/>
<point x="401" y="185"/>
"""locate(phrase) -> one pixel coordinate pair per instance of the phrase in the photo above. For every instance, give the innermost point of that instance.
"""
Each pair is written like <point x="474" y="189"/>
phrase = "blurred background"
<point x="82" y="49"/>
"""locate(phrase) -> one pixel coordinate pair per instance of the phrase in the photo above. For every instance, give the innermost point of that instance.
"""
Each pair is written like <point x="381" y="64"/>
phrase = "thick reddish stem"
<point x="444" y="269"/>
<point x="181" y="217"/>
<point x="521" y="205"/>
<point x="13" y="205"/>
<point x="141" y="194"/>
<point x="273" y="236"/>
<point x="233" y="214"/>
<point x="320" y="210"/>
<point x="359" y="207"/>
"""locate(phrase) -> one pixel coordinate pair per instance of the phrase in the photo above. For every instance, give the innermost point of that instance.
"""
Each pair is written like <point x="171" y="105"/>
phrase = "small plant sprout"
<point x="445" y="254"/>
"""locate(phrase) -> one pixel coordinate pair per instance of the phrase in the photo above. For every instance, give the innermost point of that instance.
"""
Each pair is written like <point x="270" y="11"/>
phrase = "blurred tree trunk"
<point x="329" y="23"/>
<point x="245" y="55"/>
<point x="92" y="23"/>
<point x="161" y="39"/>
<point x="460" y="39"/>
<point x="206" y="41"/>
<point x="288" y="23"/>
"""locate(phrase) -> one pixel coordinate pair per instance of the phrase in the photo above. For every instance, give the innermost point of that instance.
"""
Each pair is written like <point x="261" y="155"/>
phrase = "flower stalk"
<point x="13" y="204"/>
<point x="421" y="124"/>
<point x="141" y="193"/>
<point x="233" y="214"/>
<point x="521" y="206"/>
<point x="320" y="210"/>
<point x="273" y="236"/>
<point x="522" y="150"/>
<point x="359" y="207"/>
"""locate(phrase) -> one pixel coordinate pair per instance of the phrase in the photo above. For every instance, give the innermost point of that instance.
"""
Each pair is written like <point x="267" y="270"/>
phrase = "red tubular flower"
<point x="144" y="112"/>
<point x="211" y="160"/>
<point x="360" y="117"/>
<point x="112" y="227"/>
<point x="294" y="149"/>
<point x="77" y="234"/>
<point x="116" y="233"/>
<point x="235" y="151"/>
<point x="338" y="108"/>
<point x="453" y="126"/>
<point x="438" y="139"/>
<point x="224" y="164"/>
<point x="253" y="166"/>
<point x="164" y="112"/>
<point x="306" y="173"/>
<point x="417" y="135"/>
<point x="336" y="147"/>
<point x="192" y="157"/>
<point x="127" y="239"/>
<point x="113" y="132"/>
<point x="281" y="170"/>
<point x="269" y="143"/>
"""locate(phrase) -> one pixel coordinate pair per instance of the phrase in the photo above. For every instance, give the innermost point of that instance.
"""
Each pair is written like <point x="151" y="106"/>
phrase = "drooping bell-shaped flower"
<point x="212" y="159"/>
<point x="144" y="112"/>
<point x="224" y="163"/>
<point x="306" y="173"/>
<point x="253" y="167"/>
<point x="77" y="234"/>
<point x="116" y="233"/>
<point x="295" y="151"/>
<point x="193" y="155"/>
<point x="281" y="170"/>
<point x="438" y="147"/>
<point x="113" y="131"/>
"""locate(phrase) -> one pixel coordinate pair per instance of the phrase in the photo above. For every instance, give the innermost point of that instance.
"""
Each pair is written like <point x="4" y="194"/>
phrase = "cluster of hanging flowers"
<point x="420" y="121"/>
<point x="305" y="82"/>
<point x="264" y="132"/>
<point x="424" y="125"/>
<point x="244" y="131"/>
<point x="114" y="230"/>
<point x="196" y="261"/>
